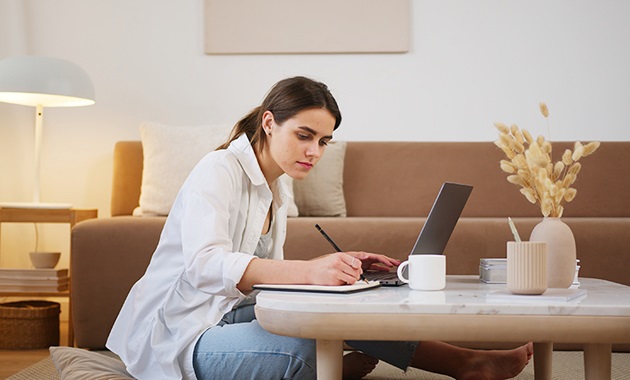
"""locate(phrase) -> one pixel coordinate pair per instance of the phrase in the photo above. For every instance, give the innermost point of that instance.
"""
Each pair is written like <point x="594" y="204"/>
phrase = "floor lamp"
<point x="43" y="82"/>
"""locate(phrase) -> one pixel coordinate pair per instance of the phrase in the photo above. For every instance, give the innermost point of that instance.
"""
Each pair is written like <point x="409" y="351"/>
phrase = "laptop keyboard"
<point x="385" y="278"/>
<point x="378" y="276"/>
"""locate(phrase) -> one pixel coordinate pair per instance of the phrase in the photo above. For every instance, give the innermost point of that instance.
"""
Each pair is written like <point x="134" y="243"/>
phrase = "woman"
<point x="191" y="314"/>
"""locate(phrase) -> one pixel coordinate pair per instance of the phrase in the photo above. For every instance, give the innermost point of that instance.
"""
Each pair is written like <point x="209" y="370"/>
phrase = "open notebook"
<point x="356" y="287"/>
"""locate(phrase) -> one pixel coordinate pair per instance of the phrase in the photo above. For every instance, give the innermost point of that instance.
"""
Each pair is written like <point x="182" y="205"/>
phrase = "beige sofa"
<point x="388" y="188"/>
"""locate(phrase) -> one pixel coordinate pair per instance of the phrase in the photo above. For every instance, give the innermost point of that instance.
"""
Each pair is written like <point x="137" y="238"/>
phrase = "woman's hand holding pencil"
<point x="365" y="259"/>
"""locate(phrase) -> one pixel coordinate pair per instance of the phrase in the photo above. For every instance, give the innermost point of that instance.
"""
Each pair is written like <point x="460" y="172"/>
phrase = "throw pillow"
<point x="321" y="192"/>
<point x="76" y="363"/>
<point x="170" y="153"/>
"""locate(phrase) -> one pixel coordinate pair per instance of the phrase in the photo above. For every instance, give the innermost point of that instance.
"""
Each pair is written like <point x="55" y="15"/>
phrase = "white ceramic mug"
<point x="527" y="267"/>
<point x="425" y="272"/>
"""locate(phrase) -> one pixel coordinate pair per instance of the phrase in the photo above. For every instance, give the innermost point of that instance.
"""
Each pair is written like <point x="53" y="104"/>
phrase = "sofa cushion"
<point x="170" y="153"/>
<point x="76" y="363"/>
<point x="321" y="192"/>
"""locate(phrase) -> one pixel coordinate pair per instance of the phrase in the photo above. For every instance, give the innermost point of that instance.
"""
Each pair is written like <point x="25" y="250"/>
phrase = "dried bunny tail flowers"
<point x="590" y="148"/>
<point x="567" y="158"/>
<point x="502" y="127"/>
<point x="570" y="194"/>
<point x="545" y="112"/>
<point x="558" y="168"/>
<point x="529" y="194"/>
<point x="578" y="151"/>
<point x="536" y="157"/>
<point x="528" y="137"/>
<point x="529" y="165"/>
<point x="508" y="167"/>
<point x="575" y="168"/>
<point x="581" y="150"/>
<point x="543" y="109"/>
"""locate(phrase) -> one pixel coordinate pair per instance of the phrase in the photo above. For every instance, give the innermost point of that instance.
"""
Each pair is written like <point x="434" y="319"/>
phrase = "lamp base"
<point x="36" y="205"/>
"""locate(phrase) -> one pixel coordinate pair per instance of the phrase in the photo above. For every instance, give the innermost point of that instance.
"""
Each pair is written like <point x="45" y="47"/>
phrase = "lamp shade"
<point x="42" y="81"/>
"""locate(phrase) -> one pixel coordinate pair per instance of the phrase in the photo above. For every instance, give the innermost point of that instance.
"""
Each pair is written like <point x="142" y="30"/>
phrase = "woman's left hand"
<point x="374" y="261"/>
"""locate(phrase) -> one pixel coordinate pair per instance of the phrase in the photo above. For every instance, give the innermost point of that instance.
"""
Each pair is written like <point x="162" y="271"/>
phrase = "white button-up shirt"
<point x="207" y="243"/>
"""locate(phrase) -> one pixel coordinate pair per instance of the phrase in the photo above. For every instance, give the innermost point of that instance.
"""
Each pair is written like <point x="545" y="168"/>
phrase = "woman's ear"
<point x="267" y="122"/>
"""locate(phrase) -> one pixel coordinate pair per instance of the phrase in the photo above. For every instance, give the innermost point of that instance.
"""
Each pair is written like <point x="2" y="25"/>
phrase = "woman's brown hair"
<point x="285" y="99"/>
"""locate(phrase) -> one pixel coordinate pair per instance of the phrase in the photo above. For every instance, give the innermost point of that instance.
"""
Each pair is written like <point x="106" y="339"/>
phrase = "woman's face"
<point x="295" y="146"/>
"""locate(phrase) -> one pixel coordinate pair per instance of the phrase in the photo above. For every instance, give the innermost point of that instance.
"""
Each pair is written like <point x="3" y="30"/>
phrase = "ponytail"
<point x="248" y="125"/>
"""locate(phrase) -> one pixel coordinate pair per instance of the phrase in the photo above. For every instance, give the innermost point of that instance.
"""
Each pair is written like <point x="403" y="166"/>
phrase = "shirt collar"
<point x="244" y="152"/>
<point x="242" y="148"/>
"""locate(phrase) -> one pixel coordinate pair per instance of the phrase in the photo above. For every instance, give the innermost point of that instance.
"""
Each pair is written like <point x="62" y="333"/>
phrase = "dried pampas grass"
<point x="530" y="166"/>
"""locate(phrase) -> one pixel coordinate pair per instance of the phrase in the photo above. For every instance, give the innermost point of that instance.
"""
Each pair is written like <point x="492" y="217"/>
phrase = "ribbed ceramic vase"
<point x="561" y="252"/>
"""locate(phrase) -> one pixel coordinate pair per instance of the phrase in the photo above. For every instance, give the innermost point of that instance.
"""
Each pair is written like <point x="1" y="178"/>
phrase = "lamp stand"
<point x="39" y="122"/>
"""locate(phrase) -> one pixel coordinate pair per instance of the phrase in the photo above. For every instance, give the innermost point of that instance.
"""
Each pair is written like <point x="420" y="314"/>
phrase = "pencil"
<point x="514" y="231"/>
<point x="335" y="246"/>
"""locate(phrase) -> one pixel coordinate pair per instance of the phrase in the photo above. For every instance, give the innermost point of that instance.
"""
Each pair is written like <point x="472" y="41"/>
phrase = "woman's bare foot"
<point x="496" y="365"/>
<point x="357" y="365"/>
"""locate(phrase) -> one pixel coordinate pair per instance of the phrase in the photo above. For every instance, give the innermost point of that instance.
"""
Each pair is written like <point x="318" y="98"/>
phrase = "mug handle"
<point x="400" y="269"/>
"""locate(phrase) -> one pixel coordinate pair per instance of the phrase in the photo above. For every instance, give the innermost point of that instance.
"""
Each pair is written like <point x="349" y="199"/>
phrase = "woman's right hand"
<point x="335" y="269"/>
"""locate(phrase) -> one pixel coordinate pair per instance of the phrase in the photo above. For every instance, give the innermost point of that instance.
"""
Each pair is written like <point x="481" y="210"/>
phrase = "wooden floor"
<point x="12" y="362"/>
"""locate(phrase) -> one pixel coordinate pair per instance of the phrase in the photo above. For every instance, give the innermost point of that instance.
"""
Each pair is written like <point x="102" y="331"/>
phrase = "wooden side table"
<point x="71" y="216"/>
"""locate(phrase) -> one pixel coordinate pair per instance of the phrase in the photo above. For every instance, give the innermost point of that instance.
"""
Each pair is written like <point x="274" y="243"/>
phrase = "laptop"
<point x="437" y="229"/>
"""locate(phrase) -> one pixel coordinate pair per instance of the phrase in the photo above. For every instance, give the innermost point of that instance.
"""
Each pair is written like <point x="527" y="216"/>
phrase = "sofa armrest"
<point x="127" y="177"/>
<point x="108" y="256"/>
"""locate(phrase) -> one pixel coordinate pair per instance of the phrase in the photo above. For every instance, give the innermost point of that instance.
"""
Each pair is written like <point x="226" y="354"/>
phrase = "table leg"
<point x="543" y="360"/>
<point x="329" y="359"/>
<point x="597" y="361"/>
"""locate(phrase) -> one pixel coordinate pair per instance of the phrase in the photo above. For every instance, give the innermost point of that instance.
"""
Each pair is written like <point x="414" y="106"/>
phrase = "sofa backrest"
<point x="401" y="179"/>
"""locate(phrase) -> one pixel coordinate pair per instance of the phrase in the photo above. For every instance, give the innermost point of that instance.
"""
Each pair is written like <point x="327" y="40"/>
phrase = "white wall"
<point x="470" y="63"/>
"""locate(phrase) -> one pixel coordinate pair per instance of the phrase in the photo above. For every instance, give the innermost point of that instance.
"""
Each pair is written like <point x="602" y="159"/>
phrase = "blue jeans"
<point x="238" y="348"/>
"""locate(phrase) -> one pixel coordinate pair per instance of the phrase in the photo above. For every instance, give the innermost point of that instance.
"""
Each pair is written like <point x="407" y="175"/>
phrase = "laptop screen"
<point x="442" y="219"/>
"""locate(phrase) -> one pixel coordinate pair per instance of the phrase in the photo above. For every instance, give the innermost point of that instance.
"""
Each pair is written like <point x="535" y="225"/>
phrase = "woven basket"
<point x="29" y="325"/>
